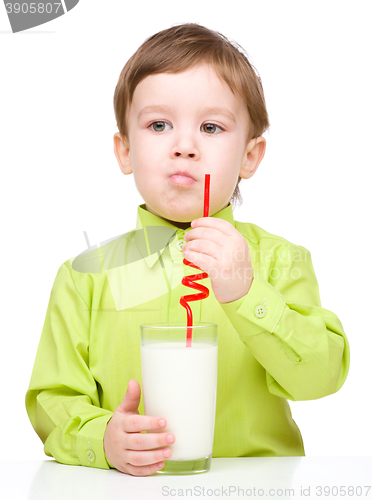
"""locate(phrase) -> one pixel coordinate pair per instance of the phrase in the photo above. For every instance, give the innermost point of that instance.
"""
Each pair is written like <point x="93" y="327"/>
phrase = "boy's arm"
<point x="302" y="346"/>
<point x="62" y="401"/>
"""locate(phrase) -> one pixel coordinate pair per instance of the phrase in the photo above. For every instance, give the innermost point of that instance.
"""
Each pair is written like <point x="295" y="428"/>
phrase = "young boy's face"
<point x="188" y="123"/>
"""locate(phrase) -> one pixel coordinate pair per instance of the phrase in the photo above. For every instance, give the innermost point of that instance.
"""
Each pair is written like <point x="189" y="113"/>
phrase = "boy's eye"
<point x="211" y="128"/>
<point x="159" y="126"/>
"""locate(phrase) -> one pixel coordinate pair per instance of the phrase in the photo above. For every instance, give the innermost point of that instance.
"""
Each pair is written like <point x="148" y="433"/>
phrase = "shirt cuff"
<point x="90" y="443"/>
<point x="260" y="309"/>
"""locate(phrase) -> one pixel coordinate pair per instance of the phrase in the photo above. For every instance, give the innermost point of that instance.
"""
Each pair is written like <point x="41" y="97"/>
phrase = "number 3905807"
<point x="32" y="8"/>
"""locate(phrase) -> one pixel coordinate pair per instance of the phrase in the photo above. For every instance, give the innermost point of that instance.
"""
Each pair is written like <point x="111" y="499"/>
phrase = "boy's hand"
<point x="126" y="448"/>
<point x="220" y="250"/>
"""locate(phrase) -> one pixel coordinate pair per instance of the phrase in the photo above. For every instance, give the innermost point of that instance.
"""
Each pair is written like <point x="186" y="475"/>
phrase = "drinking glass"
<point x="179" y="383"/>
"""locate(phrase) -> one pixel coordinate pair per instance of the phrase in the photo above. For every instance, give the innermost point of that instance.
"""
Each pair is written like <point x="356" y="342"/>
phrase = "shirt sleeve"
<point x="62" y="401"/>
<point x="302" y="346"/>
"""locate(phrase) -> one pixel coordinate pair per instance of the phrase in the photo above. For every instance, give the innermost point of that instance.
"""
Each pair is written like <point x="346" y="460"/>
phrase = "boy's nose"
<point x="191" y="155"/>
<point x="186" y="153"/>
<point x="185" y="147"/>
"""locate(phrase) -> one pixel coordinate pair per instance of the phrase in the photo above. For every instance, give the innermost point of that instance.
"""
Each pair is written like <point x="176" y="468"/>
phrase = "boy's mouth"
<point x="182" y="179"/>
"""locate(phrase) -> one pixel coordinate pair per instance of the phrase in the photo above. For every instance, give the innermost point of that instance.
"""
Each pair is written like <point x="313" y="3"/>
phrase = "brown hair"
<point x="180" y="47"/>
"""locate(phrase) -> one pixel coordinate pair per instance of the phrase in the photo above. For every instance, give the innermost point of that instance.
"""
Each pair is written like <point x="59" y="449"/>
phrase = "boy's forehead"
<point x="199" y="84"/>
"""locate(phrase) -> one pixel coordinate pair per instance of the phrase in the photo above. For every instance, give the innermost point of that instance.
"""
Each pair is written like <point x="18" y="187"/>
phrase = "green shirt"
<point x="276" y="343"/>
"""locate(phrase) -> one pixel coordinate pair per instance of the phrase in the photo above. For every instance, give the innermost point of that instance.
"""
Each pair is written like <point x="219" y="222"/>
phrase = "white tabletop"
<point x="289" y="477"/>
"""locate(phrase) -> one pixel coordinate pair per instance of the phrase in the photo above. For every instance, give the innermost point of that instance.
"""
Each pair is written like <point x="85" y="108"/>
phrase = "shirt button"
<point x="180" y="244"/>
<point x="90" y="455"/>
<point x="260" y="311"/>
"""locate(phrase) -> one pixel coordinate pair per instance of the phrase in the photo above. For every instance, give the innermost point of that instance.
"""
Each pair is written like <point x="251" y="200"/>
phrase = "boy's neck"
<point x="180" y="225"/>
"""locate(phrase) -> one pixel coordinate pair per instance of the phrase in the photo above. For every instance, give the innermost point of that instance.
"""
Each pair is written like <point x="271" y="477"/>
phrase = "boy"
<point x="187" y="103"/>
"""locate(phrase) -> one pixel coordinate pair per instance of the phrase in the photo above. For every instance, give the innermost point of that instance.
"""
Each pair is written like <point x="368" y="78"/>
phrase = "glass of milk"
<point x="179" y="383"/>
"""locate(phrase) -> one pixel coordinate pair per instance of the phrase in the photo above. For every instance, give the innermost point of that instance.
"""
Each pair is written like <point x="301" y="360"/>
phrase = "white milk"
<point x="179" y="383"/>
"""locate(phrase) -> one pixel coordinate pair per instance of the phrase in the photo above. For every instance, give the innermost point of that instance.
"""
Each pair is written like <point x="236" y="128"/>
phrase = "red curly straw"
<point x="189" y="280"/>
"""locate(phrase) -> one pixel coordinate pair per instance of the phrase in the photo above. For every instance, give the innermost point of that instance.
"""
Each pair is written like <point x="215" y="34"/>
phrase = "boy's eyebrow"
<point x="220" y="111"/>
<point x="153" y="109"/>
<point x="207" y="111"/>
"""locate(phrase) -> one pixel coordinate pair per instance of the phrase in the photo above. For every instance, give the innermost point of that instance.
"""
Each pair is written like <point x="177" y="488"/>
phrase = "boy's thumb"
<point x="131" y="399"/>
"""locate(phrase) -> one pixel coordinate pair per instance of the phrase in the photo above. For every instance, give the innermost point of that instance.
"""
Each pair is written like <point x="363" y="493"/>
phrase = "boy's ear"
<point x="122" y="153"/>
<point x="253" y="155"/>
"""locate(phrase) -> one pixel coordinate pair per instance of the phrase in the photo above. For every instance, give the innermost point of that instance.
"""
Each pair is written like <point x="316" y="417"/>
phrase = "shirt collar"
<point x="153" y="233"/>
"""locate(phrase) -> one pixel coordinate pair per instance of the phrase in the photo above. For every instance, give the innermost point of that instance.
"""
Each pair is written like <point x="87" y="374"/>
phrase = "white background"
<point x="60" y="176"/>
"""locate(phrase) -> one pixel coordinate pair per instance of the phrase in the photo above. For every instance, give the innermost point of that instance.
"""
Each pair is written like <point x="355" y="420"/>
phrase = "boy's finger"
<point x="148" y="441"/>
<point x="140" y="458"/>
<point x="131" y="398"/>
<point x="138" y="423"/>
<point x="145" y="470"/>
